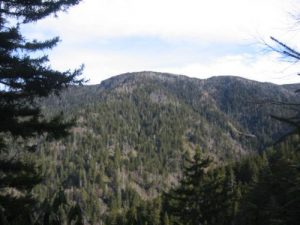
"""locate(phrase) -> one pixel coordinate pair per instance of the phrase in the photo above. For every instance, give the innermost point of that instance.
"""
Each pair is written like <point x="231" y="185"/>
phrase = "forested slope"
<point x="134" y="131"/>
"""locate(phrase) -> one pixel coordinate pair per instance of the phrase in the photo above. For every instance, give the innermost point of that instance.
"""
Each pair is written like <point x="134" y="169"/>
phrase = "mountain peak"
<point x="139" y="76"/>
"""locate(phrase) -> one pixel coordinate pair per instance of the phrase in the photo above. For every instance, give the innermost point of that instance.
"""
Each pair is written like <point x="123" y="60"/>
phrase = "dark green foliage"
<point x="268" y="194"/>
<point x="20" y="176"/>
<point x="59" y="211"/>
<point x="204" y="195"/>
<point x="23" y="80"/>
<point x="139" y="212"/>
<point x="274" y="198"/>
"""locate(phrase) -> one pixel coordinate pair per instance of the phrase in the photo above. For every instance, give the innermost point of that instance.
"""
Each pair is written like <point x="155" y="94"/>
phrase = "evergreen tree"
<point x="59" y="211"/>
<point x="200" y="197"/>
<point x="16" y="178"/>
<point x="274" y="198"/>
<point x="204" y="196"/>
<point x="23" y="79"/>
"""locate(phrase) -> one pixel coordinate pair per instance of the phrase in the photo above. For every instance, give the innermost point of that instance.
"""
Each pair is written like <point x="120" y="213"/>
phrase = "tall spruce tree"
<point x="184" y="202"/>
<point x="204" y="195"/>
<point x="23" y="79"/>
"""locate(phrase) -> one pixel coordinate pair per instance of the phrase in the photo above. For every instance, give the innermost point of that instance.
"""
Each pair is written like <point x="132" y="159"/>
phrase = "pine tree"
<point x="274" y="198"/>
<point x="23" y="80"/>
<point x="185" y="202"/>
<point x="204" y="196"/>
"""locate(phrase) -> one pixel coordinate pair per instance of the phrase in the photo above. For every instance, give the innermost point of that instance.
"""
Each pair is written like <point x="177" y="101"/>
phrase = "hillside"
<point x="134" y="130"/>
<point x="230" y="108"/>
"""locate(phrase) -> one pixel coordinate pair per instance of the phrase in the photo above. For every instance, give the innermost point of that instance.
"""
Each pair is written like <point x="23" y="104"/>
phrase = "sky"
<point x="197" y="38"/>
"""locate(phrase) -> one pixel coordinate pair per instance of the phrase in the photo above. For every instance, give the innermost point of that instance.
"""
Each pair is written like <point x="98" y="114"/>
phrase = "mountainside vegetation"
<point x="136" y="137"/>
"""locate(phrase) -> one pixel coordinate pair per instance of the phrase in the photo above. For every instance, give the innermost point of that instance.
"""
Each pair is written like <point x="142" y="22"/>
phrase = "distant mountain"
<point x="225" y="115"/>
<point x="134" y="130"/>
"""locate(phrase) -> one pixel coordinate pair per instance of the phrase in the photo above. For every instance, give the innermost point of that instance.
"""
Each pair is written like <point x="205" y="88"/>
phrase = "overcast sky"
<point x="197" y="38"/>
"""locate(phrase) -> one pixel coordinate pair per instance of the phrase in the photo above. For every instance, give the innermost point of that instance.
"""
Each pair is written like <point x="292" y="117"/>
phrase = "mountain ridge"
<point x="217" y="99"/>
<point x="164" y="75"/>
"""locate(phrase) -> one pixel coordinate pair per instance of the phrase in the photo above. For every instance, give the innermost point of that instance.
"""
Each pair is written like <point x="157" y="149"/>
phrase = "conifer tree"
<point x="274" y="198"/>
<point x="23" y="79"/>
<point x="185" y="202"/>
<point x="204" y="195"/>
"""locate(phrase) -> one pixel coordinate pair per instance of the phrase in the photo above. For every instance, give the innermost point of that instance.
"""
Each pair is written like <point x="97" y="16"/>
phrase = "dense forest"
<point x="140" y="148"/>
<point x="152" y="148"/>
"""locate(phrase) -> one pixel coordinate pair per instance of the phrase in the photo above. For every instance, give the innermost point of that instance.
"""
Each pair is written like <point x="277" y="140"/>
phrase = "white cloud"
<point x="194" y="21"/>
<point x="264" y="68"/>
<point x="102" y="65"/>
<point x="207" y="20"/>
